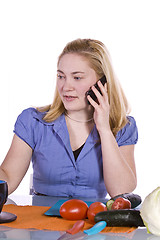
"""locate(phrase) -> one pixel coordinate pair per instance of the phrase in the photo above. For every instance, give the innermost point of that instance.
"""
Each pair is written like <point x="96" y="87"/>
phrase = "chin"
<point x="75" y="106"/>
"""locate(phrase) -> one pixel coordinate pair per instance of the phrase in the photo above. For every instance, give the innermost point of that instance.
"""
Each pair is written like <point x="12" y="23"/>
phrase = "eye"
<point x="77" y="78"/>
<point x="59" y="76"/>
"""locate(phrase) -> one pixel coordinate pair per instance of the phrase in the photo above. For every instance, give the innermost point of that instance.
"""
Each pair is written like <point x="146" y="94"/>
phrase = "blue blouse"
<point x="55" y="171"/>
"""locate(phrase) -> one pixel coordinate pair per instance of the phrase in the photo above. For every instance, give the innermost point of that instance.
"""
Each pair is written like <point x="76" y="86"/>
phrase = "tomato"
<point x="74" y="209"/>
<point x="95" y="208"/>
<point x="121" y="203"/>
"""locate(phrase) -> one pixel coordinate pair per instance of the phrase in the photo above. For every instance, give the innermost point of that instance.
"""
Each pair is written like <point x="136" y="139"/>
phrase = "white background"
<point x="34" y="32"/>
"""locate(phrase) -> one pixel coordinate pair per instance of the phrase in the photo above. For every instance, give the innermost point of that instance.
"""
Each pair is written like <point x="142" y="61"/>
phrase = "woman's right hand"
<point x="16" y="163"/>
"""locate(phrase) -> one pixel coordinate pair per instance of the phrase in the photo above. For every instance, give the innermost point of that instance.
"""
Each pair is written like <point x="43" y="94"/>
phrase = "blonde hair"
<point x="99" y="59"/>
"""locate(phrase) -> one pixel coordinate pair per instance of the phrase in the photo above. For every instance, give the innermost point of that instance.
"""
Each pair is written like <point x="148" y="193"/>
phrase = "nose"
<point x="68" y="84"/>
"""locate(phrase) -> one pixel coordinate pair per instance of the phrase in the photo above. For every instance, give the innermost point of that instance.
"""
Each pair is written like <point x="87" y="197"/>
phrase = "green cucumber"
<point x="109" y="204"/>
<point x="135" y="199"/>
<point x="120" y="218"/>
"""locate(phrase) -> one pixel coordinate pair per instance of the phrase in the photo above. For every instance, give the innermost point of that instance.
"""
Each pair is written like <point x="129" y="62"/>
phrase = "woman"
<point x="79" y="147"/>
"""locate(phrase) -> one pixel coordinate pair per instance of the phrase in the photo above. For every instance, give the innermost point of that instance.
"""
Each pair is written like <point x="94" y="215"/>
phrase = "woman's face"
<point x="74" y="78"/>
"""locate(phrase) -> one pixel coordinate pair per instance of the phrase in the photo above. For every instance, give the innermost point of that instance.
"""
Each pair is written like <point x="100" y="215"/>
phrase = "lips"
<point x="69" y="98"/>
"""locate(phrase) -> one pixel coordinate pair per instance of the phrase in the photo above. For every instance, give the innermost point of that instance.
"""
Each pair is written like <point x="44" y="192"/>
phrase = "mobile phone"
<point x="91" y="93"/>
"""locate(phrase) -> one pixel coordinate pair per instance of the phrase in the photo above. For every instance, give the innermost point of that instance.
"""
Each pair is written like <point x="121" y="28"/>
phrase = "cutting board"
<point x="54" y="210"/>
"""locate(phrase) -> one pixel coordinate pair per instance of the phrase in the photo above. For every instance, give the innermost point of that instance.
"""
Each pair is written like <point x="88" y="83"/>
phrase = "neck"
<point x="78" y="120"/>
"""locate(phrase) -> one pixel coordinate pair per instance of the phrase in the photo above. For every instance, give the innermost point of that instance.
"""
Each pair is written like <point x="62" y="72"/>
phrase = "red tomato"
<point x="74" y="209"/>
<point x="95" y="208"/>
<point x="121" y="203"/>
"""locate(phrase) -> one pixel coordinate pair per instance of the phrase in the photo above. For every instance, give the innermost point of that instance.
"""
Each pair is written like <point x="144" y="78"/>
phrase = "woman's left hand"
<point x="101" y="108"/>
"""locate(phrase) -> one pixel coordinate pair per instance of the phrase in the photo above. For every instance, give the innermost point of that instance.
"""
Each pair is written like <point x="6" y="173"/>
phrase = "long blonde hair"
<point x="99" y="59"/>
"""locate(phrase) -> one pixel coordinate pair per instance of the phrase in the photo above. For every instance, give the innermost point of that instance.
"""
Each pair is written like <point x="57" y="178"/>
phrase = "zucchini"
<point x="120" y="218"/>
<point x="109" y="204"/>
<point x="135" y="199"/>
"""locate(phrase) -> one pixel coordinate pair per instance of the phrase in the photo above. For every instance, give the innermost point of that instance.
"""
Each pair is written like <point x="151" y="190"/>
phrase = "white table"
<point x="10" y="233"/>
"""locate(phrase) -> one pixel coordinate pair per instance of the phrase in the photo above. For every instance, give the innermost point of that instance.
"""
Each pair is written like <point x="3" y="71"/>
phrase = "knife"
<point x="98" y="227"/>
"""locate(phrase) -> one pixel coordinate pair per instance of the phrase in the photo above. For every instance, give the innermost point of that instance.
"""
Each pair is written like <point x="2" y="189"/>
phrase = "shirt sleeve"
<point x="24" y="127"/>
<point x="128" y="135"/>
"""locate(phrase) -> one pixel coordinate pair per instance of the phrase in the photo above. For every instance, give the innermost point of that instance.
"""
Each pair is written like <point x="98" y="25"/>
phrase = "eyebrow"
<point x="78" y="72"/>
<point x="60" y="71"/>
<point x="72" y="72"/>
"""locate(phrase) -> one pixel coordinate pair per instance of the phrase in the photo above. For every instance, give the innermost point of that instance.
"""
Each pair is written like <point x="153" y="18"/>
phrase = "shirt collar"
<point x="40" y="115"/>
<point x="59" y="122"/>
